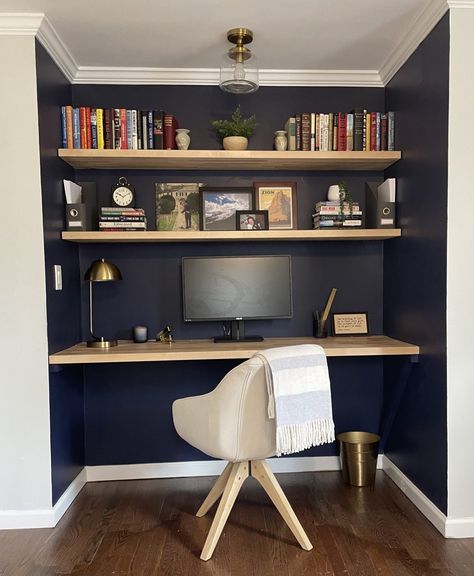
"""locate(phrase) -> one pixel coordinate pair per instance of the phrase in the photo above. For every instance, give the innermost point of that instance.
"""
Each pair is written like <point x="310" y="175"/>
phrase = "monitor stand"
<point x="237" y="334"/>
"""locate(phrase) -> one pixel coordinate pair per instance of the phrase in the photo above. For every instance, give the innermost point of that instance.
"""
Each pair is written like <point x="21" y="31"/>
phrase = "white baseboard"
<point x="47" y="518"/>
<point x="424" y="504"/>
<point x="460" y="527"/>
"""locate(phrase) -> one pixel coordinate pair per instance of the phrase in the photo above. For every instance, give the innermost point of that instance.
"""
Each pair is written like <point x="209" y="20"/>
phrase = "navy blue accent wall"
<point x="128" y="407"/>
<point x="63" y="307"/>
<point x="415" y="266"/>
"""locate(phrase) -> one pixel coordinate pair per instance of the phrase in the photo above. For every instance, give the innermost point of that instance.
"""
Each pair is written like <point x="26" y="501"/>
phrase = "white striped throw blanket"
<point x="299" y="396"/>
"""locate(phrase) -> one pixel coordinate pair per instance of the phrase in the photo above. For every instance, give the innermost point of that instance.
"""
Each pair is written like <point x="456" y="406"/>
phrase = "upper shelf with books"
<point x="226" y="160"/>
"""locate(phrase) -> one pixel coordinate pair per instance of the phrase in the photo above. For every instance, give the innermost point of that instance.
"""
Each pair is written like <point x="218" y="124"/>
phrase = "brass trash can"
<point x="359" y="451"/>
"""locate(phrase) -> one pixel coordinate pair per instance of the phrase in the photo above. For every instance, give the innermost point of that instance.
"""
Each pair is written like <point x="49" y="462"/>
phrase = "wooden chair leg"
<point x="216" y="491"/>
<point x="261" y="472"/>
<point x="238" y="473"/>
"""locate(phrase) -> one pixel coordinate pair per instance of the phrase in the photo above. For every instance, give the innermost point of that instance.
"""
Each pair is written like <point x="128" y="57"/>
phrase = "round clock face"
<point x="122" y="196"/>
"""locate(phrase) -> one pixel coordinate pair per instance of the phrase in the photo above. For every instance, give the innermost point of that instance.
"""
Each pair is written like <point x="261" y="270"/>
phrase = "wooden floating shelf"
<point x="226" y="160"/>
<point x="233" y="236"/>
<point x="181" y="350"/>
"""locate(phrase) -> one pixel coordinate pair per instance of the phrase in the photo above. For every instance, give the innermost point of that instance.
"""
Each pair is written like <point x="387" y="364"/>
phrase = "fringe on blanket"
<point x="295" y="437"/>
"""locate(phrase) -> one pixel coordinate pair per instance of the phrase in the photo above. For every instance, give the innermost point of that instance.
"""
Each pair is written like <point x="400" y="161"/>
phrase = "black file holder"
<point x="378" y="214"/>
<point x="83" y="216"/>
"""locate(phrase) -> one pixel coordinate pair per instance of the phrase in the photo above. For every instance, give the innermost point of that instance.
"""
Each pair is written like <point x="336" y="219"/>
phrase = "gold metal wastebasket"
<point x="359" y="451"/>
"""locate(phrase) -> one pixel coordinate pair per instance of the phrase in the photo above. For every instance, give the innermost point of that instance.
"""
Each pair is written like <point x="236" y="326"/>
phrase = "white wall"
<point x="460" y="303"/>
<point x="25" y="461"/>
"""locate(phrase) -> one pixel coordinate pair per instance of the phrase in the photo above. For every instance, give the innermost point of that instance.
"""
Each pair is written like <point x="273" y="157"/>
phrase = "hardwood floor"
<point x="148" y="528"/>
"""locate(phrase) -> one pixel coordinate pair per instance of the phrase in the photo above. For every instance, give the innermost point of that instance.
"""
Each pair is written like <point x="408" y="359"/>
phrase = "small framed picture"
<point x="279" y="199"/>
<point x="219" y="204"/>
<point x="350" y="324"/>
<point x="254" y="220"/>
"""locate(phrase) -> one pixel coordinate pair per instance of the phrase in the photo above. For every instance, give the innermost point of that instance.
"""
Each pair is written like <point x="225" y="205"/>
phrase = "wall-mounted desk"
<point x="181" y="350"/>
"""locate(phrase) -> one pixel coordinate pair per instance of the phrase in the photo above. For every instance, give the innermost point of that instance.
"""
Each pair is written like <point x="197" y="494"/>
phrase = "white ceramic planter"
<point x="235" y="143"/>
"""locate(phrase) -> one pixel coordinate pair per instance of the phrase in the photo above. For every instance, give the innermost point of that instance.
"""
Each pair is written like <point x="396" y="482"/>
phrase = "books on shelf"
<point x="117" y="128"/>
<point x="358" y="130"/>
<point x="115" y="219"/>
<point x="334" y="215"/>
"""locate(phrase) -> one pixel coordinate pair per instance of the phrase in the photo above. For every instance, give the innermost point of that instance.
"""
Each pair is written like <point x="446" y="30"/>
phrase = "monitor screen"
<point x="239" y="287"/>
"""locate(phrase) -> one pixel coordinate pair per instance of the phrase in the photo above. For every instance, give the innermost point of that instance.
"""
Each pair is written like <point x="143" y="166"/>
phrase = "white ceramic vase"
<point x="281" y="141"/>
<point x="235" y="143"/>
<point x="333" y="193"/>
<point x="182" y="138"/>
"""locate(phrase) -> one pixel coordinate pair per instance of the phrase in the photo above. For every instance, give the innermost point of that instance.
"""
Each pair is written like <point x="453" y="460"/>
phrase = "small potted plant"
<point x="236" y="131"/>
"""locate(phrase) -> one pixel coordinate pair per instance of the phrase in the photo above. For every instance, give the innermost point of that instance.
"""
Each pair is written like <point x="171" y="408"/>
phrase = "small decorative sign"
<point x="350" y="324"/>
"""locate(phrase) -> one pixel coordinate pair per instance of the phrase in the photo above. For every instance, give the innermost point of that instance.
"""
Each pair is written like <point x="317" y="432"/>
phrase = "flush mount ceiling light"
<point x="239" y="72"/>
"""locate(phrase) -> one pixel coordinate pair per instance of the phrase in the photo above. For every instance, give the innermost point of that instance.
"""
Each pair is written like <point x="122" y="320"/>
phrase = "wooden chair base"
<point x="228" y="485"/>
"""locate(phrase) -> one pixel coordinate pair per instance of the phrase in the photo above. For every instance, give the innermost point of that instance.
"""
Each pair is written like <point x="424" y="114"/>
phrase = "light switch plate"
<point x="58" y="277"/>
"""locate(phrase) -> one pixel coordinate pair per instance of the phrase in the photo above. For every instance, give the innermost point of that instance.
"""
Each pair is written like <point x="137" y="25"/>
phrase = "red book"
<point x="383" y="132"/>
<point x="123" y="129"/>
<point x="341" y="133"/>
<point x="88" y="128"/>
<point x="69" y="137"/>
<point x="373" y="131"/>
<point x="83" y="126"/>
<point x="169" y="132"/>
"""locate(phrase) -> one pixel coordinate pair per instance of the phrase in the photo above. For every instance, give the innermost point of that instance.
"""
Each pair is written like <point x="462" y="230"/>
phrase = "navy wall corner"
<point x="63" y="307"/>
<point x="415" y="265"/>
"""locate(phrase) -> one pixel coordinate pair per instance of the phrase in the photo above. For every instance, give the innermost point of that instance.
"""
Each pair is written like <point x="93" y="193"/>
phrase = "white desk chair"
<point x="231" y="423"/>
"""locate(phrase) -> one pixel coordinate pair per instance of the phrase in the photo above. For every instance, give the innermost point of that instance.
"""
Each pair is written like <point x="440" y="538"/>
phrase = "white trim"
<point x="413" y="493"/>
<point x="459" y="528"/>
<point x="47" y="518"/>
<point x="68" y="497"/>
<point x="20" y="24"/>
<point x="421" y="27"/>
<point x="210" y="76"/>
<point x="461" y="3"/>
<point x="56" y="48"/>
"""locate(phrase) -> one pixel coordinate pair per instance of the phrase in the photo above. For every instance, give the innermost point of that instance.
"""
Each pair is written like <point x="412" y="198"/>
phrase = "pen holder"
<point x="319" y="326"/>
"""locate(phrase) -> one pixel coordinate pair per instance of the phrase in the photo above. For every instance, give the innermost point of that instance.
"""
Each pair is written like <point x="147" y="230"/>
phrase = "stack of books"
<point x="358" y="130"/>
<point x="115" y="219"/>
<point x="117" y="129"/>
<point x="332" y="215"/>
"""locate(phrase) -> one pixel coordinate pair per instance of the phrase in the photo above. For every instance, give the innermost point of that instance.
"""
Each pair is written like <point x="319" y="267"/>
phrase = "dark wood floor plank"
<point x="149" y="528"/>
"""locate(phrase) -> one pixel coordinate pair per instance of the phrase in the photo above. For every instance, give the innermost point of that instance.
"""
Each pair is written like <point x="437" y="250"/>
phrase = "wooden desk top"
<point x="180" y="350"/>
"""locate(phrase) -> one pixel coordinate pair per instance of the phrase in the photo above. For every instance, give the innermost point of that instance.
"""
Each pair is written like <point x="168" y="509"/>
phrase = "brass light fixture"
<point x="239" y="72"/>
<point x="100" y="271"/>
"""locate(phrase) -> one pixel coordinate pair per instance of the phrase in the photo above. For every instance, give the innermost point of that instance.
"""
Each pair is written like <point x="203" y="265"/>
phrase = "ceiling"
<point x="300" y="39"/>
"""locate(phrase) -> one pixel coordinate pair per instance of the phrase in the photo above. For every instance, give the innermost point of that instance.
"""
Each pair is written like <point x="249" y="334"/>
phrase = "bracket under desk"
<point x="180" y="350"/>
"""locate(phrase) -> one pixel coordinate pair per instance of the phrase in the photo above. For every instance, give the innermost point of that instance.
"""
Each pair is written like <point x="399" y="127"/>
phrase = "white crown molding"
<point x="56" y="48"/>
<point x="210" y="76"/>
<point x="20" y="24"/>
<point x="461" y="3"/>
<point x="421" y="27"/>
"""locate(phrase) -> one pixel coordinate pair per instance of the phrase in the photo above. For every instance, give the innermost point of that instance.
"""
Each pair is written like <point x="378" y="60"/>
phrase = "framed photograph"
<point x="279" y="198"/>
<point x="177" y="206"/>
<point x="350" y="324"/>
<point x="251" y="220"/>
<point x="219" y="204"/>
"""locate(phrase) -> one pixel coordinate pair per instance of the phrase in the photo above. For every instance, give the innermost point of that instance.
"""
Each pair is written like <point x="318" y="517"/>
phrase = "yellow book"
<point x="100" y="128"/>
<point x="367" y="132"/>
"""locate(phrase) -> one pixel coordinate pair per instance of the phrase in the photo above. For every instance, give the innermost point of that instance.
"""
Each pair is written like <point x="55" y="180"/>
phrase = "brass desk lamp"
<point x="100" y="271"/>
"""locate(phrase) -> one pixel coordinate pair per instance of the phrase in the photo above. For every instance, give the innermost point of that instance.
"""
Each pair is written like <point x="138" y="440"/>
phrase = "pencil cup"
<point x="319" y="326"/>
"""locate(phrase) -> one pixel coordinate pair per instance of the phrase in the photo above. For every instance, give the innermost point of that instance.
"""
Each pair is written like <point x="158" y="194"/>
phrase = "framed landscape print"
<point x="177" y="206"/>
<point x="218" y="205"/>
<point x="279" y="198"/>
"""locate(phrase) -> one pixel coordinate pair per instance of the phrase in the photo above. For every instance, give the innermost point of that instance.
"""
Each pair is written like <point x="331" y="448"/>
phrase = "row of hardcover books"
<point x="333" y="215"/>
<point x="117" y="128"/>
<point x="114" y="219"/>
<point x="358" y="130"/>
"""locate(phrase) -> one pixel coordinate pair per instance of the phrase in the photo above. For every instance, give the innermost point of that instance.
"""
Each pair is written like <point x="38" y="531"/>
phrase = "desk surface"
<point x="180" y="350"/>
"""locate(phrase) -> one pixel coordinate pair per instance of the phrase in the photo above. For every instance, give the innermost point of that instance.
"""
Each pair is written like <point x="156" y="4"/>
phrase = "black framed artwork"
<point x="219" y="204"/>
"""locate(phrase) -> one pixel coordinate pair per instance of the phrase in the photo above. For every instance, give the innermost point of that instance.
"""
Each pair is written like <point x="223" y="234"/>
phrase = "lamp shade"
<point x="102" y="271"/>
<point x="239" y="71"/>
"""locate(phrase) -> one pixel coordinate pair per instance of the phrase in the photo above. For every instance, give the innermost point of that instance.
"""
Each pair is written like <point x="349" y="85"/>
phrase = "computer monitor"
<point x="235" y="289"/>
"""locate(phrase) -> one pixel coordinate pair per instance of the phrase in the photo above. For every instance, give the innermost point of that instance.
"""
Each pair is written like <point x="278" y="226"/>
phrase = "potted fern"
<point x="236" y="131"/>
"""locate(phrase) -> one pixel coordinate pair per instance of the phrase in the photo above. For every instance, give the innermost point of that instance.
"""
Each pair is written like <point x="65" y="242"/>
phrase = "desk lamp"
<point x="100" y="271"/>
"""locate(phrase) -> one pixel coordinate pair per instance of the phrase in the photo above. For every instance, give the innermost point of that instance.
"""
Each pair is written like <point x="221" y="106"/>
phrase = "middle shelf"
<point x="232" y="236"/>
